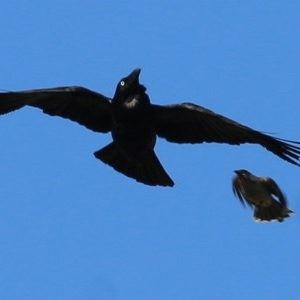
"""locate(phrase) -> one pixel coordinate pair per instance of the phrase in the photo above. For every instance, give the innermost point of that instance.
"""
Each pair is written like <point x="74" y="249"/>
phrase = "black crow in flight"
<point x="135" y="123"/>
<point x="262" y="194"/>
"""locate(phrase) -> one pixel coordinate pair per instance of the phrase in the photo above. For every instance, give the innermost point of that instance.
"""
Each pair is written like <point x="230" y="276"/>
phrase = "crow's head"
<point x="129" y="85"/>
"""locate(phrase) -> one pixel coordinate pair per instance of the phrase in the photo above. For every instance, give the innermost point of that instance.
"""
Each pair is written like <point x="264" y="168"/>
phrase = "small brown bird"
<point x="262" y="194"/>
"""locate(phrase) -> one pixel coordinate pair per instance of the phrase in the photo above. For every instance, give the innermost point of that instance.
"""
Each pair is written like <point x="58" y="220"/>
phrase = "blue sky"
<point x="73" y="228"/>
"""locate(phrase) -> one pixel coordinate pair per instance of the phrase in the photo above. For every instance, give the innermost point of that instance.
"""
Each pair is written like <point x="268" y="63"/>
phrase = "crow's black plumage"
<point x="135" y="123"/>
<point x="262" y="194"/>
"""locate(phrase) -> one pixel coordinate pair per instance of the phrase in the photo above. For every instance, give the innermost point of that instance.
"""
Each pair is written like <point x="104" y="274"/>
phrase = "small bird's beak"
<point x="237" y="172"/>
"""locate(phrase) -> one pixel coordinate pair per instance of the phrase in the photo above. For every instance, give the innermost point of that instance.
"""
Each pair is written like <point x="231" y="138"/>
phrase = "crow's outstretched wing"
<point x="78" y="104"/>
<point x="190" y="123"/>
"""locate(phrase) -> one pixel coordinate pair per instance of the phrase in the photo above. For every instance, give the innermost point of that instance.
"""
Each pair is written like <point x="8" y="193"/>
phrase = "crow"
<point x="262" y="194"/>
<point x="135" y="123"/>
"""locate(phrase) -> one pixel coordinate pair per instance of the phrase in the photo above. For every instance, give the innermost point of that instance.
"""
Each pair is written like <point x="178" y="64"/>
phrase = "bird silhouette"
<point x="262" y="194"/>
<point x="135" y="123"/>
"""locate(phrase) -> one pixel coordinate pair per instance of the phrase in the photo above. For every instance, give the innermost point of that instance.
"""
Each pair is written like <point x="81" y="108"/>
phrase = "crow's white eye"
<point x="122" y="83"/>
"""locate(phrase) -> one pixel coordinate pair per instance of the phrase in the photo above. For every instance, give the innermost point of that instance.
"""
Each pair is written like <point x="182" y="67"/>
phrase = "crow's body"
<point x="262" y="194"/>
<point x="134" y="137"/>
<point x="135" y="123"/>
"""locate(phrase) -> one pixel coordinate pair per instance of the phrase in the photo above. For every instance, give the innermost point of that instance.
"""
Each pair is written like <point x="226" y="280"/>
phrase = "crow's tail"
<point x="147" y="169"/>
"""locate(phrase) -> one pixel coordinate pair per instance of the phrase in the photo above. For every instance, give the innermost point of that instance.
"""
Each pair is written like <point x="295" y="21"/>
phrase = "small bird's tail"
<point x="276" y="211"/>
<point x="147" y="169"/>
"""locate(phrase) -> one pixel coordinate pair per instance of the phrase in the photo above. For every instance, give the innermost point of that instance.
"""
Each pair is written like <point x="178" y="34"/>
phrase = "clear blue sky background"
<point x="73" y="228"/>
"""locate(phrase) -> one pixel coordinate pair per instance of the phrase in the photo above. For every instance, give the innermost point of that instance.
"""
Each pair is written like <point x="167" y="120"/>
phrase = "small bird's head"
<point x="242" y="173"/>
<point x="129" y="84"/>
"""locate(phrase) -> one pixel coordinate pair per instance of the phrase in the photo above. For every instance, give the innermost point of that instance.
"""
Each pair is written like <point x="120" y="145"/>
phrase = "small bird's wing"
<point x="274" y="189"/>
<point x="78" y="104"/>
<point x="190" y="123"/>
<point x="237" y="190"/>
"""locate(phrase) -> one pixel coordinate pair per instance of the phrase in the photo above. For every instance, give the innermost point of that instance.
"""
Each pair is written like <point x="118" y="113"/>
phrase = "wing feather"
<point x="78" y="104"/>
<point x="190" y="123"/>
